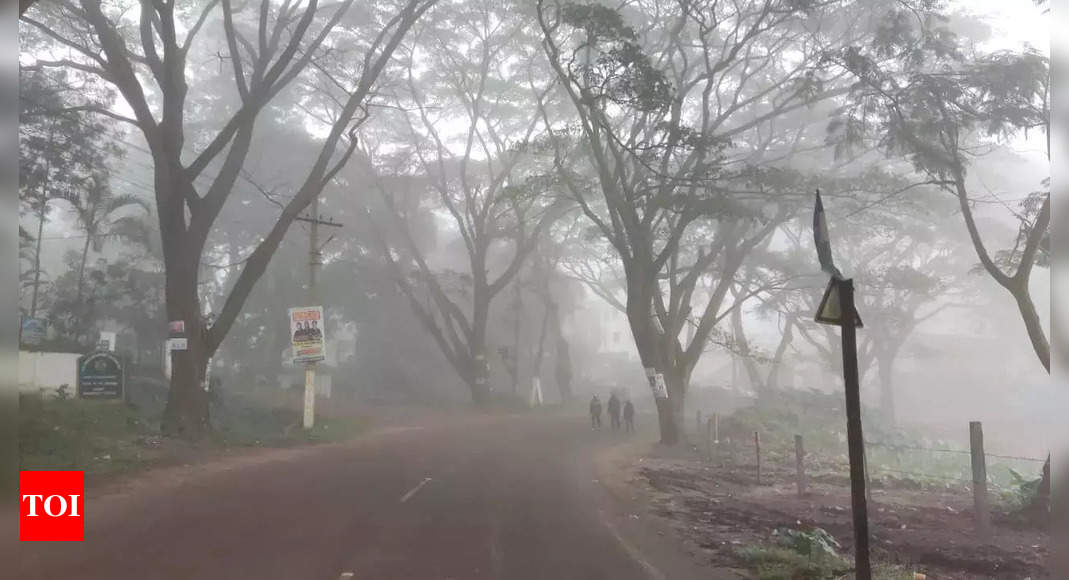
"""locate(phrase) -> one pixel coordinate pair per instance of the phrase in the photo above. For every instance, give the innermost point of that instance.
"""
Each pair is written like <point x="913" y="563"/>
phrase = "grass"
<point x="105" y="438"/>
<point x="99" y="437"/>
<point x="778" y="563"/>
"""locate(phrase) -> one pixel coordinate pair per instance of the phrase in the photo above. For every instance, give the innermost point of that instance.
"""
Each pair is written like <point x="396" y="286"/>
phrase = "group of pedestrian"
<point x="615" y="408"/>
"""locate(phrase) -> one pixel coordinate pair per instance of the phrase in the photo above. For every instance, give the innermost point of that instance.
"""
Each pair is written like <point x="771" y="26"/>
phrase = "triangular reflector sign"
<point x="830" y="309"/>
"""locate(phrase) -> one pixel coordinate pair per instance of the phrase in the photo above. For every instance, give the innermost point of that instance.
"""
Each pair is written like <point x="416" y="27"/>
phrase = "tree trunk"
<point x="1033" y="324"/>
<point x="37" y="255"/>
<point x="563" y="370"/>
<point x="478" y="380"/>
<point x="672" y="431"/>
<point x="81" y="267"/>
<point x="186" y="413"/>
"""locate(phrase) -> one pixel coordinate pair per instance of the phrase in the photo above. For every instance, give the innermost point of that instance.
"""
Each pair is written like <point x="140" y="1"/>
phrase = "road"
<point x="509" y="498"/>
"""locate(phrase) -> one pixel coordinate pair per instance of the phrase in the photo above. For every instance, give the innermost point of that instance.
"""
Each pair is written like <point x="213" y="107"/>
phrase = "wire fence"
<point x="884" y="460"/>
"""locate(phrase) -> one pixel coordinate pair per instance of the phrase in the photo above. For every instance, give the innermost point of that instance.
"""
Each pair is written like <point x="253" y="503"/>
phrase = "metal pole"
<point x="313" y="263"/>
<point x="854" y="435"/>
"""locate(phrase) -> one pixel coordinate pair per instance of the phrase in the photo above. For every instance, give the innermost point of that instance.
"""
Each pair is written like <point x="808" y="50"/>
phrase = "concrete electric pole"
<point x="314" y="262"/>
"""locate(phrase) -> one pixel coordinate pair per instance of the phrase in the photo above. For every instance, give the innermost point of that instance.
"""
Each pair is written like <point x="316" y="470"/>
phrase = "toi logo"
<point x="51" y="506"/>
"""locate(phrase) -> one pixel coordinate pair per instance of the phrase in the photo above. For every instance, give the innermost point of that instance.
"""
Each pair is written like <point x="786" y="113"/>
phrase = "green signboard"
<point x="100" y="376"/>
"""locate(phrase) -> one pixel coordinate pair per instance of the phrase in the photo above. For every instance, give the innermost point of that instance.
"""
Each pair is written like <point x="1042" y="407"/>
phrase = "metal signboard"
<point x="100" y="376"/>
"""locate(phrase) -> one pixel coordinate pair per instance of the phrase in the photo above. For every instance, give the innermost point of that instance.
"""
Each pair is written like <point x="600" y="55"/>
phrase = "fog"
<point x="576" y="199"/>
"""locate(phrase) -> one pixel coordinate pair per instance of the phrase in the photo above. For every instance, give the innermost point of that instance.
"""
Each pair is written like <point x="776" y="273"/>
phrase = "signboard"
<point x="100" y="376"/>
<point x="107" y="341"/>
<point x="830" y="309"/>
<point x="176" y="327"/>
<point x="660" y="389"/>
<point x="170" y="345"/>
<point x="657" y="384"/>
<point x="177" y="344"/>
<point x="306" y="334"/>
<point x="34" y="331"/>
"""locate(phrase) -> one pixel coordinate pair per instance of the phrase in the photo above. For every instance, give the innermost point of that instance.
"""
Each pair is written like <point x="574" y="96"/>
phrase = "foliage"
<point x="1023" y="492"/>
<point x="776" y="563"/>
<point x="68" y="433"/>
<point x="815" y="543"/>
<point x="921" y="95"/>
<point x="622" y="73"/>
<point x="808" y="555"/>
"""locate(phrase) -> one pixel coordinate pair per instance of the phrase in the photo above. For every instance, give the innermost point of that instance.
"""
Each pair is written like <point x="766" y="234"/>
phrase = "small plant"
<point x="814" y="543"/>
<point x="63" y="392"/>
<point x="1024" y="489"/>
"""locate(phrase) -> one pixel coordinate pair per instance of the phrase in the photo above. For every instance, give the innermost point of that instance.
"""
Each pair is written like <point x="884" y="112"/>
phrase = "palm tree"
<point x="99" y="213"/>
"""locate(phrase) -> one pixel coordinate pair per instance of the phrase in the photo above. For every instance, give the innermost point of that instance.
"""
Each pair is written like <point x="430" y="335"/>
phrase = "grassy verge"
<point x="807" y="555"/>
<point x="776" y="563"/>
<point x="107" y="438"/>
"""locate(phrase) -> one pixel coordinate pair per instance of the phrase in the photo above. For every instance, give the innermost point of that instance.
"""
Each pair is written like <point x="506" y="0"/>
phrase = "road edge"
<point x="628" y="514"/>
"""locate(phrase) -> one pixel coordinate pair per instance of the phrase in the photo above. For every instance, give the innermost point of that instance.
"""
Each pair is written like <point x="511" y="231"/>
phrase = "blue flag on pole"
<point x="823" y="241"/>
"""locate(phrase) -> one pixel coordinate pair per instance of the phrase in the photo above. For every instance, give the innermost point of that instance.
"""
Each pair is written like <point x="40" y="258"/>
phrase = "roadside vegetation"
<point x="110" y="438"/>
<point x="808" y="555"/>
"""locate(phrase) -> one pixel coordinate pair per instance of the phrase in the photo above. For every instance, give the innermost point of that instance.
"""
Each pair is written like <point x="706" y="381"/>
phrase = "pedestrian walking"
<point x="614" y="412"/>
<point x="595" y="413"/>
<point x="629" y="416"/>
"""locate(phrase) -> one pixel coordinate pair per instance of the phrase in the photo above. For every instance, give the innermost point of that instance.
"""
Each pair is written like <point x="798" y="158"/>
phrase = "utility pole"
<point x="314" y="262"/>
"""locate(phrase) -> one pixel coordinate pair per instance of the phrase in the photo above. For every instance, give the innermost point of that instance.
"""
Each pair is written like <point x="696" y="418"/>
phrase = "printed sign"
<point x="657" y="384"/>
<point x="100" y="376"/>
<point x="34" y="330"/>
<point x="306" y="334"/>
<point x="177" y="344"/>
<point x="176" y="327"/>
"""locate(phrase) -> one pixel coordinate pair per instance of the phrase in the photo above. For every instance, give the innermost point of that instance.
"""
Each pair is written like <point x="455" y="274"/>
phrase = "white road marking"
<point x="345" y="575"/>
<point x="413" y="491"/>
<point x="651" y="571"/>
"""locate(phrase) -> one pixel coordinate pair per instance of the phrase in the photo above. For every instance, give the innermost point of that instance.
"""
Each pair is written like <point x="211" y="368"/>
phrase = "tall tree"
<point x="459" y="74"/>
<point x="906" y="266"/>
<point x="687" y="124"/>
<point x="144" y="50"/>
<point x="922" y="95"/>
<point x="64" y="152"/>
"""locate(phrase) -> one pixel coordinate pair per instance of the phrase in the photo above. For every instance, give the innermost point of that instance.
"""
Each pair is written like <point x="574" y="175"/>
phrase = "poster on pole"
<point x="306" y="334"/>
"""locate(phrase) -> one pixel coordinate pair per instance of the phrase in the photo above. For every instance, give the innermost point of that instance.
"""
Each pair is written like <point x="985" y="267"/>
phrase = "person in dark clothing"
<point x="595" y="413"/>
<point x="614" y="412"/>
<point x="629" y="416"/>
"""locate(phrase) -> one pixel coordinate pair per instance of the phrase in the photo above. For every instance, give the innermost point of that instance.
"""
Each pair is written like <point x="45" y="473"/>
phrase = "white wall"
<point x="47" y="371"/>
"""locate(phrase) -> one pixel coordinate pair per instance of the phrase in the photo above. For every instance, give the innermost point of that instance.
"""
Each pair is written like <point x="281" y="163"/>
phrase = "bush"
<point x="69" y="433"/>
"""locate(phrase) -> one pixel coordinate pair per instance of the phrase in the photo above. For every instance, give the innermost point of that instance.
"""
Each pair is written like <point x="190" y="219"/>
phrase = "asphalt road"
<point x="477" y="498"/>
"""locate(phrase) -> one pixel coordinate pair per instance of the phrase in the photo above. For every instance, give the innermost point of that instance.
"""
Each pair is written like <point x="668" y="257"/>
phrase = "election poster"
<point x="306" y="334"/>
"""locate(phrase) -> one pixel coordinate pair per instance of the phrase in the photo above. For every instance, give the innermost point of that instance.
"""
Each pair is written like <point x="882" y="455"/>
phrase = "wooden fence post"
<point x="799" y="464"/>
<point x="979" y="479"/>
<point x="709" y="437"/>
<point x="757" y="450"/>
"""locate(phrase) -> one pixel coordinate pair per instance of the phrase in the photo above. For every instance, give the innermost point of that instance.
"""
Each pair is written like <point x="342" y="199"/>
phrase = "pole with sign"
<point x="837" y="308"/>
<point x="306" y="337"/>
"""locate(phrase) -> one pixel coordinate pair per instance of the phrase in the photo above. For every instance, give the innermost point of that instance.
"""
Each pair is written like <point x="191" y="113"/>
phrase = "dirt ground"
<point x="717" y="508"/>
